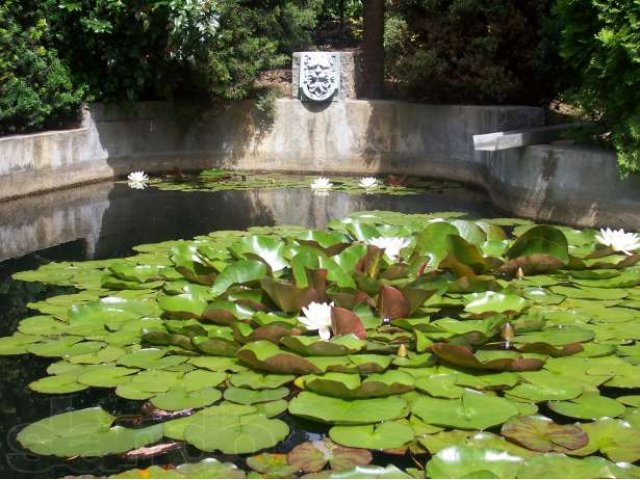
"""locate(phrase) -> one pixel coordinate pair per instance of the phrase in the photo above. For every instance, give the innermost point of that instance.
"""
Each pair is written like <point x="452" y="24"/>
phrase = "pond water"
<point x="369" y="330"/>
<point x="106" y="220"/>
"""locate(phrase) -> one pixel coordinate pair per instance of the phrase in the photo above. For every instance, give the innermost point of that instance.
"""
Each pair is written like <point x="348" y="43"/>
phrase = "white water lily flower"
<point x="391" y="245"/>
<point x="619" y="240"/>
<point x="317" y="316"/>
<point x="321" y="183"/>
<point x="138" y="180"/>
<point x="368" y="182"/>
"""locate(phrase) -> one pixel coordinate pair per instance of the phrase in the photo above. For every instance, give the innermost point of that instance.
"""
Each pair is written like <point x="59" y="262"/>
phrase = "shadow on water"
<point x="105" y="221"/>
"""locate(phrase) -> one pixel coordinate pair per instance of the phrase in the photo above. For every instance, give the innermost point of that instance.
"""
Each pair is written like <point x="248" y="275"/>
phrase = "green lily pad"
<point x="468" y="462"/>
<point x="65" y="383"/>
<point x="541" y="386"/>
<point x="274" y="465"/>
<point x="440" y="386"/>
<point x="178" y="399"/>
<point x="589" y="406"/>
<point x="235" y="434"/>
<point x="246" y="396"/>
<point x="312" y="457"/>
<point x="84" y="433"/>
<point x="540" y="249"/>
<point x="561" y="466"/>
<point x="343" y="385"/>
<point x="243" y="271"/>
<point x="347" y="412"/>
<point x="559" y="335"/>
<point x="312" y="346"/>
<point x="543" y="435"/>
<point x="259" y="381"/>
<point x="207" y="468"/>
<point x="473" y="410"/>
<point x="185" y="305"/>
<point x="489" y="303"/>
<point x="17" y="343"/>
<point x="387" y="435"/>
<point x="617" y="439"/>
<point x="105" y="376"/>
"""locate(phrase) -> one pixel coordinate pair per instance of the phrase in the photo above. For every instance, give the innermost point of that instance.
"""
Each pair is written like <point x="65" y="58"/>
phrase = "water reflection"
<point x="111" y="218"/>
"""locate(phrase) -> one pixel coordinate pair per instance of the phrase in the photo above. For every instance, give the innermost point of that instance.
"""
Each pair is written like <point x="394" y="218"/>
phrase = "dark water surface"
<point x="104" y="221"/>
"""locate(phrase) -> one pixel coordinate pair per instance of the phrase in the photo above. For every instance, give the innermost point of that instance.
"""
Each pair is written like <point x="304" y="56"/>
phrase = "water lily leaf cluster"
<point x="214" y="180"/>
<point x="446" y="341"/>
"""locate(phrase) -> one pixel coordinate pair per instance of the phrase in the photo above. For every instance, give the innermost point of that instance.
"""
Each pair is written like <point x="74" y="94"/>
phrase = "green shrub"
<point x="156" y="49"/>
<point x="472" y="51"/>
<point x="601" y="41"/>
<point x="36" y="90"/>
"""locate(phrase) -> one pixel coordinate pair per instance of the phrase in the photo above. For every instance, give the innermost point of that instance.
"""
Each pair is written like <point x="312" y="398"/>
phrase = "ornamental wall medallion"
<point x="319" y="75"/>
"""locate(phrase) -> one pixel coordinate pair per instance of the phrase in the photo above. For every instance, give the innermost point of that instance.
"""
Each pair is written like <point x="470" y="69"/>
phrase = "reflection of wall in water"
<point x="38" y="222"/>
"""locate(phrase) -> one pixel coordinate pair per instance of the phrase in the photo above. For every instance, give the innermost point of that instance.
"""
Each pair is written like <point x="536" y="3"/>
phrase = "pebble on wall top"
<point x="319" y="76"/>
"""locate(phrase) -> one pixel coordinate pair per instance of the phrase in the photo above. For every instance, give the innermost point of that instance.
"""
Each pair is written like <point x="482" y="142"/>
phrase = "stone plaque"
<point x="319" y="76"/>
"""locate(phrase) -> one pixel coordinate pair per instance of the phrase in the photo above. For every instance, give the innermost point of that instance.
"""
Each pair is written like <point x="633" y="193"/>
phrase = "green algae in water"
<point x="467" y="325"/>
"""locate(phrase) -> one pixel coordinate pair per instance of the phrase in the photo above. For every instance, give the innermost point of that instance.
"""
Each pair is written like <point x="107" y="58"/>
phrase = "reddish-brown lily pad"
<point x="543" y="435"/>
<point x="392" y="303"/>
<point x="345" y="322"/>
<point x="313" y="456"/>
<point x="463" y="356"/>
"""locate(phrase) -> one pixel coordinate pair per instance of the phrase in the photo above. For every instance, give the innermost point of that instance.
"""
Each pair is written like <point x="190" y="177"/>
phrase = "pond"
<point x="361" y="340"/>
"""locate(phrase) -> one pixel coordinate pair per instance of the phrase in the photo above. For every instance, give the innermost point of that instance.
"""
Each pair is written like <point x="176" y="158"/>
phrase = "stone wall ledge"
<point x="547" y="183"/>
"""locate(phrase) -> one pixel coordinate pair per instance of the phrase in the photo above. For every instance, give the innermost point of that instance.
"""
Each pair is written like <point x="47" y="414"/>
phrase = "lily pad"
<point x="387" y="435"/>
<point x="543" y="435"/>
<point x="313" y="346"/>
<point x="347" y="412"/>
<point x="179" y="399"/>
<point x="274" y="465"/>
<point x="84" y="433"/>
<point x="562" y="466"/>
<point x="235" y="434"/>
<point x="472" y="411"/>
<point x="312" y="457"/>
<point x="264" y="355"/>
<point x="246" y="396"/>
<point x="343" y="385"/>
<point x="490" y="303"/>
<point x="589" y="406"/>
<point x="259" y="381"/>
<point x="65" y="383"/>
<point x="468" y="462"/>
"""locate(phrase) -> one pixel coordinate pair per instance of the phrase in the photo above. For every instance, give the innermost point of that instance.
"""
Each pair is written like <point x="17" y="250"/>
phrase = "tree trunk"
<point x="373" y="48"/>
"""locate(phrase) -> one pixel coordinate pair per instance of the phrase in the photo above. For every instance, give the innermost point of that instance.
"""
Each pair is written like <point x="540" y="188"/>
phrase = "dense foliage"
<point x="601" y="40"/>
<point x="56" y="54"/>
<point x="36" y="90"/>
<point x="155" y="48"/>
<point x="474" y="51"/>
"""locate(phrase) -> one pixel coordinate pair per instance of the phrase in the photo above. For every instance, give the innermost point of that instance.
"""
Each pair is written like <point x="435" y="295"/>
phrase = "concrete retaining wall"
<point x="363" y="137"/>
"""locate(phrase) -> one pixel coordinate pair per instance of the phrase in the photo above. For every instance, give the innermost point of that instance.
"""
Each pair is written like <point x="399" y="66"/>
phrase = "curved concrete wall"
<point x="547" y="183"/>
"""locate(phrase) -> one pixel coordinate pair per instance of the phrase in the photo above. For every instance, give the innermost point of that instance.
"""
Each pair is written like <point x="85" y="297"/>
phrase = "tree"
<point x="373" y="48"/>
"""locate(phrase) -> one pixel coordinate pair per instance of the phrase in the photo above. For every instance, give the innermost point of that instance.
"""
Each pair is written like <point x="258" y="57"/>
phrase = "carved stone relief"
<point x="319" y="76"/>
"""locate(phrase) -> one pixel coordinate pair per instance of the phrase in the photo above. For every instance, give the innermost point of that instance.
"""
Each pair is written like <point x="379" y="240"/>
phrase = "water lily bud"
<point x="507" y="334"/>
<point x="519" y="273"/>
<point x="402" y="351"/>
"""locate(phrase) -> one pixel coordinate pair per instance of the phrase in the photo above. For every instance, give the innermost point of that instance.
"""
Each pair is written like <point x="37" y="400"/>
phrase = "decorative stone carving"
<point x="319" y="76"/>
